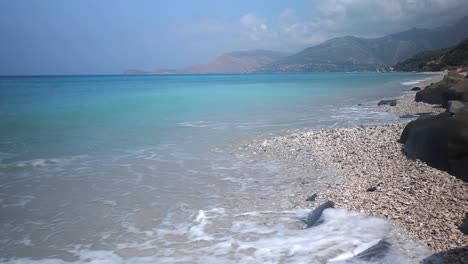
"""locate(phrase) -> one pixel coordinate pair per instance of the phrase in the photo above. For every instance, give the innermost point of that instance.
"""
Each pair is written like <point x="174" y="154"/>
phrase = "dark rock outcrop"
<point x="408" y="116"/>
<point x="449" y="89"/>
<point x="464" y="226"/>
<point x="441" y="141"/>
<point x="392" y="102"/>
<point x="424" y="115"/>
<point x="456" y="107"/>
<point x="416" y="89"/>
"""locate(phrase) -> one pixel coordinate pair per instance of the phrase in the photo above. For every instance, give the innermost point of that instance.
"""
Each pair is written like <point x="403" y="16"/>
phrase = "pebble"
<point x="427" y="203"/>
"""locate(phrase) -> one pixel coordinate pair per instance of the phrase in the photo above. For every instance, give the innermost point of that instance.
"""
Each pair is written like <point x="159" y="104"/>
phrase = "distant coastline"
<point x="343" y="54"/>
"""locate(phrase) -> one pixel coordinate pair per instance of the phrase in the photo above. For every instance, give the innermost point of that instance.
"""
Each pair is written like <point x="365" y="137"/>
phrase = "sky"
<point x="66" y="37"/>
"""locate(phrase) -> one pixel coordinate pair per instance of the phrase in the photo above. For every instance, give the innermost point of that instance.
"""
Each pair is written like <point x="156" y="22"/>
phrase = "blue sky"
<point x="109" y="36"/>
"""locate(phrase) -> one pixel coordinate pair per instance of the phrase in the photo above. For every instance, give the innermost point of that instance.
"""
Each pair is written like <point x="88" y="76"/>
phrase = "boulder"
<point x="464" y="226"/>
<point x="376" y="252"/>
<point x="450" y="88"/>
<point x="441" y="141"/>
<point x="408" y="116"/>
<point x="314" y="216"/>
<point x="424" y="115"/>
<point x="416" y="89"/>
<point x="456" y="107"/>
<point x="392" y="102"/>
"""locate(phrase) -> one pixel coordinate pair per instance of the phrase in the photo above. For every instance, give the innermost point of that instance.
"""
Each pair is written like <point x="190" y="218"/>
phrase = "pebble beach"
<point x="377" y="179"/>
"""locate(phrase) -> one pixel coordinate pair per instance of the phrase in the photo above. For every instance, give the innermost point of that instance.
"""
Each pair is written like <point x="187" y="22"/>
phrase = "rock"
<point x="408" y="116"/>
<point x="464" y="225"/>
<point x="441" y="141"/>
<point x="416" y="89"/>
<point x="314" y="216"/>
<point x="455" y="107"/>
<point x="450" y="88"/>
<point x="376" y="252"/>
<point x="392" y="102"/>
<point x="372" y="189"/>
<point x="424" y="115"/>
<point x="311" y="198"/>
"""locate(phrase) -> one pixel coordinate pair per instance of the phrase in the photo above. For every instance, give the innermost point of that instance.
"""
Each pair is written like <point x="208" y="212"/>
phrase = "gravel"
<point x="428" y="203"/>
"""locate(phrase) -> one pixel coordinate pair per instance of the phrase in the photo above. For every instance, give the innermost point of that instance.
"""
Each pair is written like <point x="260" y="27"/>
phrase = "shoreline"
<point x="428" y="204"/>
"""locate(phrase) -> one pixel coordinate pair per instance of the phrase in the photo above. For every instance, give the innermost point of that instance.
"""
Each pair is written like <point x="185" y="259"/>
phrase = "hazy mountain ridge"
<point x="232" y="62"/>
<point x="237" y="62"/>
<point x="335" y="55"/>
<point x="360" y="54"/>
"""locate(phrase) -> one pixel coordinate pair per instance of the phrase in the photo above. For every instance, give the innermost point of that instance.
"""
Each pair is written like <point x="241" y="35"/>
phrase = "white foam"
<point x="213" y="236"/>
<point x="413" y="82"/>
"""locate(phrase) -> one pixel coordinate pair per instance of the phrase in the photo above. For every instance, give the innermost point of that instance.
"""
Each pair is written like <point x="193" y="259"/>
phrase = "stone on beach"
<point x="392" y="102"/>
<point x="428" y="203"/>
<point x="464" y="225"/>
<point x="311" y="198"/>
<point x="441" y="141"/>
<point x="314" y="216"/>
<point x="456" y="107"/>
<point x="375" y="252"/>
<point x="408" y="116"/>
<point x="449" y="89"/>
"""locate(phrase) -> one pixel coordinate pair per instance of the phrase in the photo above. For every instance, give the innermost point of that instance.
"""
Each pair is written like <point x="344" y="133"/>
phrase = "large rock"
<point x="450" y="88"/>
<point x="441" y="141"/>
<point x="464" y="226"/>
<point x="392" y="102"/>
<point x="456" y="107"/>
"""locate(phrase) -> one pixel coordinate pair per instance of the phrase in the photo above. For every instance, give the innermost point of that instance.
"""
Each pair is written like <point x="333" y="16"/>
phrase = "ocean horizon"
<point x="145" y="169"/>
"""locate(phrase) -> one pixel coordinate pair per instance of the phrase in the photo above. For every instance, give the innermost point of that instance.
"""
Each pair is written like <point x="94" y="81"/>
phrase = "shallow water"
<point x="126" y="169"/>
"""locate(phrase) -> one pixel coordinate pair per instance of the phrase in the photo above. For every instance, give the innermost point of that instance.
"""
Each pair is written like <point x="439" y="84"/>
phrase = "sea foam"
<point x="261" y="237"/>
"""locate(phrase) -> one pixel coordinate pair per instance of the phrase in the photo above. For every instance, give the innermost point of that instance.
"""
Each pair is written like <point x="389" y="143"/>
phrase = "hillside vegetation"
<point x="361" y="54"/>
<point x="436" y="60"/>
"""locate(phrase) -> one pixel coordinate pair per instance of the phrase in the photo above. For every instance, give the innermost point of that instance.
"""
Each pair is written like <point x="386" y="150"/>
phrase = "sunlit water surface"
<point x="137" y="169"/>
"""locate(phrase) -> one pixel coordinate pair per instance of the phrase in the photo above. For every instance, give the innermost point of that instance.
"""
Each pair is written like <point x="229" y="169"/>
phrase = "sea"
<point x="140" y="169"/>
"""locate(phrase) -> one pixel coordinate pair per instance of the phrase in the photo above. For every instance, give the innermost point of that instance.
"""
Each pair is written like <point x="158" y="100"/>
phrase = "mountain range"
<point x="232" y="62"/>
<point x="361" y="54"/>
<point x="335" y="55"/>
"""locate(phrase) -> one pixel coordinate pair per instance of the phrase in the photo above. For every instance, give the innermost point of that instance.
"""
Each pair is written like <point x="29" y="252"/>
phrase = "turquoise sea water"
<point x="134" y="168"/>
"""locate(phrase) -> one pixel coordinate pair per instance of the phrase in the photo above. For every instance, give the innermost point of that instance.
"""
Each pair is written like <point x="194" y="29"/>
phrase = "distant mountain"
<point x="238" y="62"/>
<point x="135" y="72"/>
<point x="436" y="60"/>
<point x="360" y="54"/>
<point x="233" y="62"/>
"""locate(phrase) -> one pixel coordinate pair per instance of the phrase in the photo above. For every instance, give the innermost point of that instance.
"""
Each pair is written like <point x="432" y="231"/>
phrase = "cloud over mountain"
<point x="293" y="29"/>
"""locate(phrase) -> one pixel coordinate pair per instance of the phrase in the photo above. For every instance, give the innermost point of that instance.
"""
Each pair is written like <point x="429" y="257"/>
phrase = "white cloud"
<point x="327" y="19"/>
<point x="257" y="28"/>
<point x="369" y="16"/>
